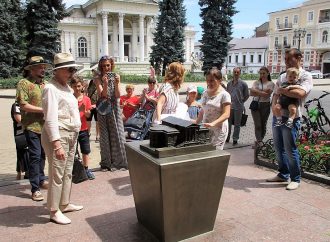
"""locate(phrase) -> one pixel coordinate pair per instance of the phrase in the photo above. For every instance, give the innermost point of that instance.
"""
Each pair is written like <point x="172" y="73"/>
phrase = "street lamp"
<point x="299" y="34"/>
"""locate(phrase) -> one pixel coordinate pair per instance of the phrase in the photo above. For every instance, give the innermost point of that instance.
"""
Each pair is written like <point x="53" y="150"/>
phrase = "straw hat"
<point x="36" y="60"/>
<point x="62" y="60"/>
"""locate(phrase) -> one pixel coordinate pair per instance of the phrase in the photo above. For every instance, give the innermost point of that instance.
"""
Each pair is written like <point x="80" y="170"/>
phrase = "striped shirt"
<point x="172" y="98"/>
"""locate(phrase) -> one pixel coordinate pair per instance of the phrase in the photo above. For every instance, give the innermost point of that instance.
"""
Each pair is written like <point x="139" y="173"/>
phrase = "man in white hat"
<point x="28" y="96"/>
<point x="59" y="136"/>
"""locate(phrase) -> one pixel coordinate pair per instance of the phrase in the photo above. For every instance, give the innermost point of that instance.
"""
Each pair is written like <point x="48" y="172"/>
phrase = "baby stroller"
<point x="137" y="126"/>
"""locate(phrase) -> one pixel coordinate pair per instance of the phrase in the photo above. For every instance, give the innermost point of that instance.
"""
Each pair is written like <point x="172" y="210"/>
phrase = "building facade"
<point x="249" y="54"/>
<point x="306" y="27"/>
<point x="121" y="29"/>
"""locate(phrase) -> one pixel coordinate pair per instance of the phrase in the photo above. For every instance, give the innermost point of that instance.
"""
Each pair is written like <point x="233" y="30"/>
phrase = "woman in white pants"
<point x="59" y="137"/>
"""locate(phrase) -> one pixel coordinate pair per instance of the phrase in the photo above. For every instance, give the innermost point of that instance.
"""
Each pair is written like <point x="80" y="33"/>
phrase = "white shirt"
<point x="60" y="108"/>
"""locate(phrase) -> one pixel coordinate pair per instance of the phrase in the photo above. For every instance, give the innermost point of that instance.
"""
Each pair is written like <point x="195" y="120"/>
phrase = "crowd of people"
<point x="55" y="116"/>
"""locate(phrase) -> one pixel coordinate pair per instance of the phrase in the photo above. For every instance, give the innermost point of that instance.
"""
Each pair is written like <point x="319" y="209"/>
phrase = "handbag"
<point x="254" y="105"/>
<point x="104" y="106"/>
<point x="20" y="141"/>
<point x="78" y="171"/>
<point x="244" y="118"/>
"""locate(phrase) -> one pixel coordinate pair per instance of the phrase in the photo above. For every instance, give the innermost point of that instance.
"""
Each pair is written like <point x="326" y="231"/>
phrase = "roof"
<point x="249" y="43"/>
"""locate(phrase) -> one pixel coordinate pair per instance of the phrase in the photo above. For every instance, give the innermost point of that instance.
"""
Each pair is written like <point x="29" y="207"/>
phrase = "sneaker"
<point x="289" y="124"/>
<point x="44" y="185"/>
<point x="90" y="174"/>
<point x="235" y="142"/>
<point x="37" y="196"/>
<point x="278" y="123"/>
<point x="276" y="179"/>
<point x="292" y="186"/>
<point x="59" y="218"/>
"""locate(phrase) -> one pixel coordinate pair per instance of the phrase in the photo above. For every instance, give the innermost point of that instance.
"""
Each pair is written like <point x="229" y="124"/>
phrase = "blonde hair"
<point x="129" y="86"/>
<point x="292" y="70"/>
<point x="175" y="75"/>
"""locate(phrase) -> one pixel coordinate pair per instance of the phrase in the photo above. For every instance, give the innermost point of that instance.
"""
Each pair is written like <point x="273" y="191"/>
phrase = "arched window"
<point x="82" y="47"/>
<point x="325" y="36"/>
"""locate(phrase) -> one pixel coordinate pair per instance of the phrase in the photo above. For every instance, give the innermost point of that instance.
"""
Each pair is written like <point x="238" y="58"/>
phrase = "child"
<point x="285" y="102"/>
<point x="193" y="106"/>
<point x="84" y="104"/>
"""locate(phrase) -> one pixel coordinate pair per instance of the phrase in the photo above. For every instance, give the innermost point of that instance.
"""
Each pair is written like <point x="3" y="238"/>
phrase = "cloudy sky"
<point x="252" y="13"/>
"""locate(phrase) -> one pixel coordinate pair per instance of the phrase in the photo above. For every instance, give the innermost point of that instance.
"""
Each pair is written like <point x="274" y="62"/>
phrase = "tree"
<point x="217" y="29"/>
<point x="169" y="35"/>
<point x="11" y="36"/>
<point x="42" y="19"/>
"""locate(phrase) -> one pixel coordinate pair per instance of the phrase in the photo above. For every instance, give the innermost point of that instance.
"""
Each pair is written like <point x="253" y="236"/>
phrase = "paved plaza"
<point x="250" y="209"/>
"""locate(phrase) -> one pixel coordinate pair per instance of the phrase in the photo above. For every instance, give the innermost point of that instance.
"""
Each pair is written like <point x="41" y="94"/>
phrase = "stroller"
<point x="137" y="126"/>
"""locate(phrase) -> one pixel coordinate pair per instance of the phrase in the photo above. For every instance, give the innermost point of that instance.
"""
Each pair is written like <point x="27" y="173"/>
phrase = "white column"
<point x="141" y="27"/>
<point x="134" y="38"/>
<point x="121" y="37"/>
<point x="115" y="36"/>
<point x="148" y="34"/>
<point x="99" y="37"/>
<point x="105" y="33"/>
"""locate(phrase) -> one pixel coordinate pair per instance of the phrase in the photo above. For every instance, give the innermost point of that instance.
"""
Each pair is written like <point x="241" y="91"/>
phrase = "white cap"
<point x="192" y="88"/>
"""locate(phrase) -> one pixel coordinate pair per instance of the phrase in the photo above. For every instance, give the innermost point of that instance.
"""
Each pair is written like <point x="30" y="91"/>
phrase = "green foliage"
<point x="42" y="17"/>
<point x="9" y="83"/>
<point x="169" y="35"/>
<point x="217" y="29"/>
<point x="11" y="36"/>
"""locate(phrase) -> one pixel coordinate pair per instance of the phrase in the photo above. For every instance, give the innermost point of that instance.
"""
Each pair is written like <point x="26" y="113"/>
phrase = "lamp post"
<point x="299" y="34"/>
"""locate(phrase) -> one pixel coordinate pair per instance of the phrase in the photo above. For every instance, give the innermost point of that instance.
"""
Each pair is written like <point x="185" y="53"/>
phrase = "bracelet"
<point x="58" y="148"/>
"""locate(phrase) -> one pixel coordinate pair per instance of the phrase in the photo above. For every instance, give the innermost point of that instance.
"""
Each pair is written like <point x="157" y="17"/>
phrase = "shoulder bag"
<point x="254" y="105"/>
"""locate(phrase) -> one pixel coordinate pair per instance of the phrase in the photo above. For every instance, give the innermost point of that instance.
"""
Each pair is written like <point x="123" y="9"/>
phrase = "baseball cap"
<point x="192" y="88"/>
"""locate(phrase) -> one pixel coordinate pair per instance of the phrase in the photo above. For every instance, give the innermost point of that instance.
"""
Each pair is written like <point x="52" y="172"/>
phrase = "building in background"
<point x="306" y="27"/>
<point x="122" y="29"/>
<point x="249" y="54"/>
<point x="262" y="30"/>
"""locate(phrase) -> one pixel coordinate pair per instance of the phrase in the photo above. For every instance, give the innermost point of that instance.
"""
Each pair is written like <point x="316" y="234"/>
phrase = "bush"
<point x="9" y="83"/>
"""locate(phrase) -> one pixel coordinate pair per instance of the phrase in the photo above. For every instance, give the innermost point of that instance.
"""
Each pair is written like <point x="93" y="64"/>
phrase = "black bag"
<point x="137" y="120"/>
<point x="78" y="171"/>
<point x="254" y="105"/>
<point x="20" y="141"/>
<point x="244" y="119"/>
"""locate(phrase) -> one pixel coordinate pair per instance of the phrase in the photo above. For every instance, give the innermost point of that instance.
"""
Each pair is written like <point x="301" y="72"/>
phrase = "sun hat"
<point x="62" y="60"/>
<point x="192" y="88"/>
<point x="36" y="60"/>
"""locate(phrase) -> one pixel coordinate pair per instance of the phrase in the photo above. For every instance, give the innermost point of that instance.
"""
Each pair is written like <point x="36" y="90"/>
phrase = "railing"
<point x="78" y="20"/>
<point x="284" y="26"/>
<point x="324" y="19"/>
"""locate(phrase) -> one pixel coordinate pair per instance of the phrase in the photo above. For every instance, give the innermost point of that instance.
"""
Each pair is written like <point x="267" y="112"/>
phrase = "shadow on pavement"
<point x="122" y="186"/>
<point x="121" y="225"/>
<point x="244" y="184"/>
<point x="24" y="216"/>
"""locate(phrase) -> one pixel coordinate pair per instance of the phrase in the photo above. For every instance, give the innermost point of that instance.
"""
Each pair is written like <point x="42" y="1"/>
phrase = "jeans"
<point x="36" y="160"/>
<point x="236" y="116"/>
<point x="286" y="151"/>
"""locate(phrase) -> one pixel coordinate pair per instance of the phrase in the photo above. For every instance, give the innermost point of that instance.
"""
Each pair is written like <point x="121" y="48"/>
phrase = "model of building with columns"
<point x="121" y="29"/>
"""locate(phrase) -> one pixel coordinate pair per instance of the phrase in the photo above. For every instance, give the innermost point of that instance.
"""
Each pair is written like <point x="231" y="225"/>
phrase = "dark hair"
<point x="75" y="79"/>
<point x="151" y="79"/>
<point x="106" y="58"/>
<point x="264" y="68"/>
<point x="295" y="52"/>
<point x="215" y="73"/>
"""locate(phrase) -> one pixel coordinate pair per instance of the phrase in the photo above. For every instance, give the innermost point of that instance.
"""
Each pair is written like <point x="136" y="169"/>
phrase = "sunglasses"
<point x="105" y="57"/>
<point x="151" y="82"/>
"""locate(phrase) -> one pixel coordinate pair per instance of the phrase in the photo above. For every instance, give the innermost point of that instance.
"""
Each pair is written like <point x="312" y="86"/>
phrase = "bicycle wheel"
<point x="323" y="123"/>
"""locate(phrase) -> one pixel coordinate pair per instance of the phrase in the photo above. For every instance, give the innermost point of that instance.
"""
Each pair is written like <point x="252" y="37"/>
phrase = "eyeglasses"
<point x="72" y="69"/>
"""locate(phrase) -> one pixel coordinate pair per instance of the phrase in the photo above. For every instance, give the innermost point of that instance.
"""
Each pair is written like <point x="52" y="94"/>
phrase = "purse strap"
<point x="262" y="88"/>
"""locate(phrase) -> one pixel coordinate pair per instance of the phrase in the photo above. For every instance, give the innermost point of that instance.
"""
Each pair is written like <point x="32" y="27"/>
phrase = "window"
<point x="286" y="22"/>
<point x="294" y="42"/>
<point x="109" y="37"/>
<point x="295" y="19"/>
<point x="236" y="59"/>
<point x="285" y="40"/>
<point x="244" y="60"/>
<point x="259" y="58"/>
<point x="310" y="16"/>
<point x="82" y="47"/>
<point x="307" y="56"/>
<point x="277" y="23"/>
<point x="275" y="57"/>
<point x="276" y="41"/>
<point x="251" y="58"/>
<point x="229" y="60"/>
<point x="308" y="39"/>
<point x="325" y="36"/>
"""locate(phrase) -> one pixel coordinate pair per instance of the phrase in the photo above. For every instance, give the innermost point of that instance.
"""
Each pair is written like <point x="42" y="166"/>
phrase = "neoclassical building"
<point x="122" y="29"/>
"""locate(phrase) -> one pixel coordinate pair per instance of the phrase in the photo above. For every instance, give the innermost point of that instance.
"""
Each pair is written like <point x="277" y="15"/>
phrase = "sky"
<point x="251" y="13"/>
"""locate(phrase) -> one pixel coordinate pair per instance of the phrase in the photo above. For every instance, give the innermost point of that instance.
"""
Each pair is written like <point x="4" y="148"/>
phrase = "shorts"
<point x="285" y="101"/>
<point x="93" y="113"/>
<point x="83" y="140"/>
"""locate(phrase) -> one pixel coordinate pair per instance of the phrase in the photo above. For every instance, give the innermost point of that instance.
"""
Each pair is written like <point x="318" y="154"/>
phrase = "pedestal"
<point x="176" y="197"/>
